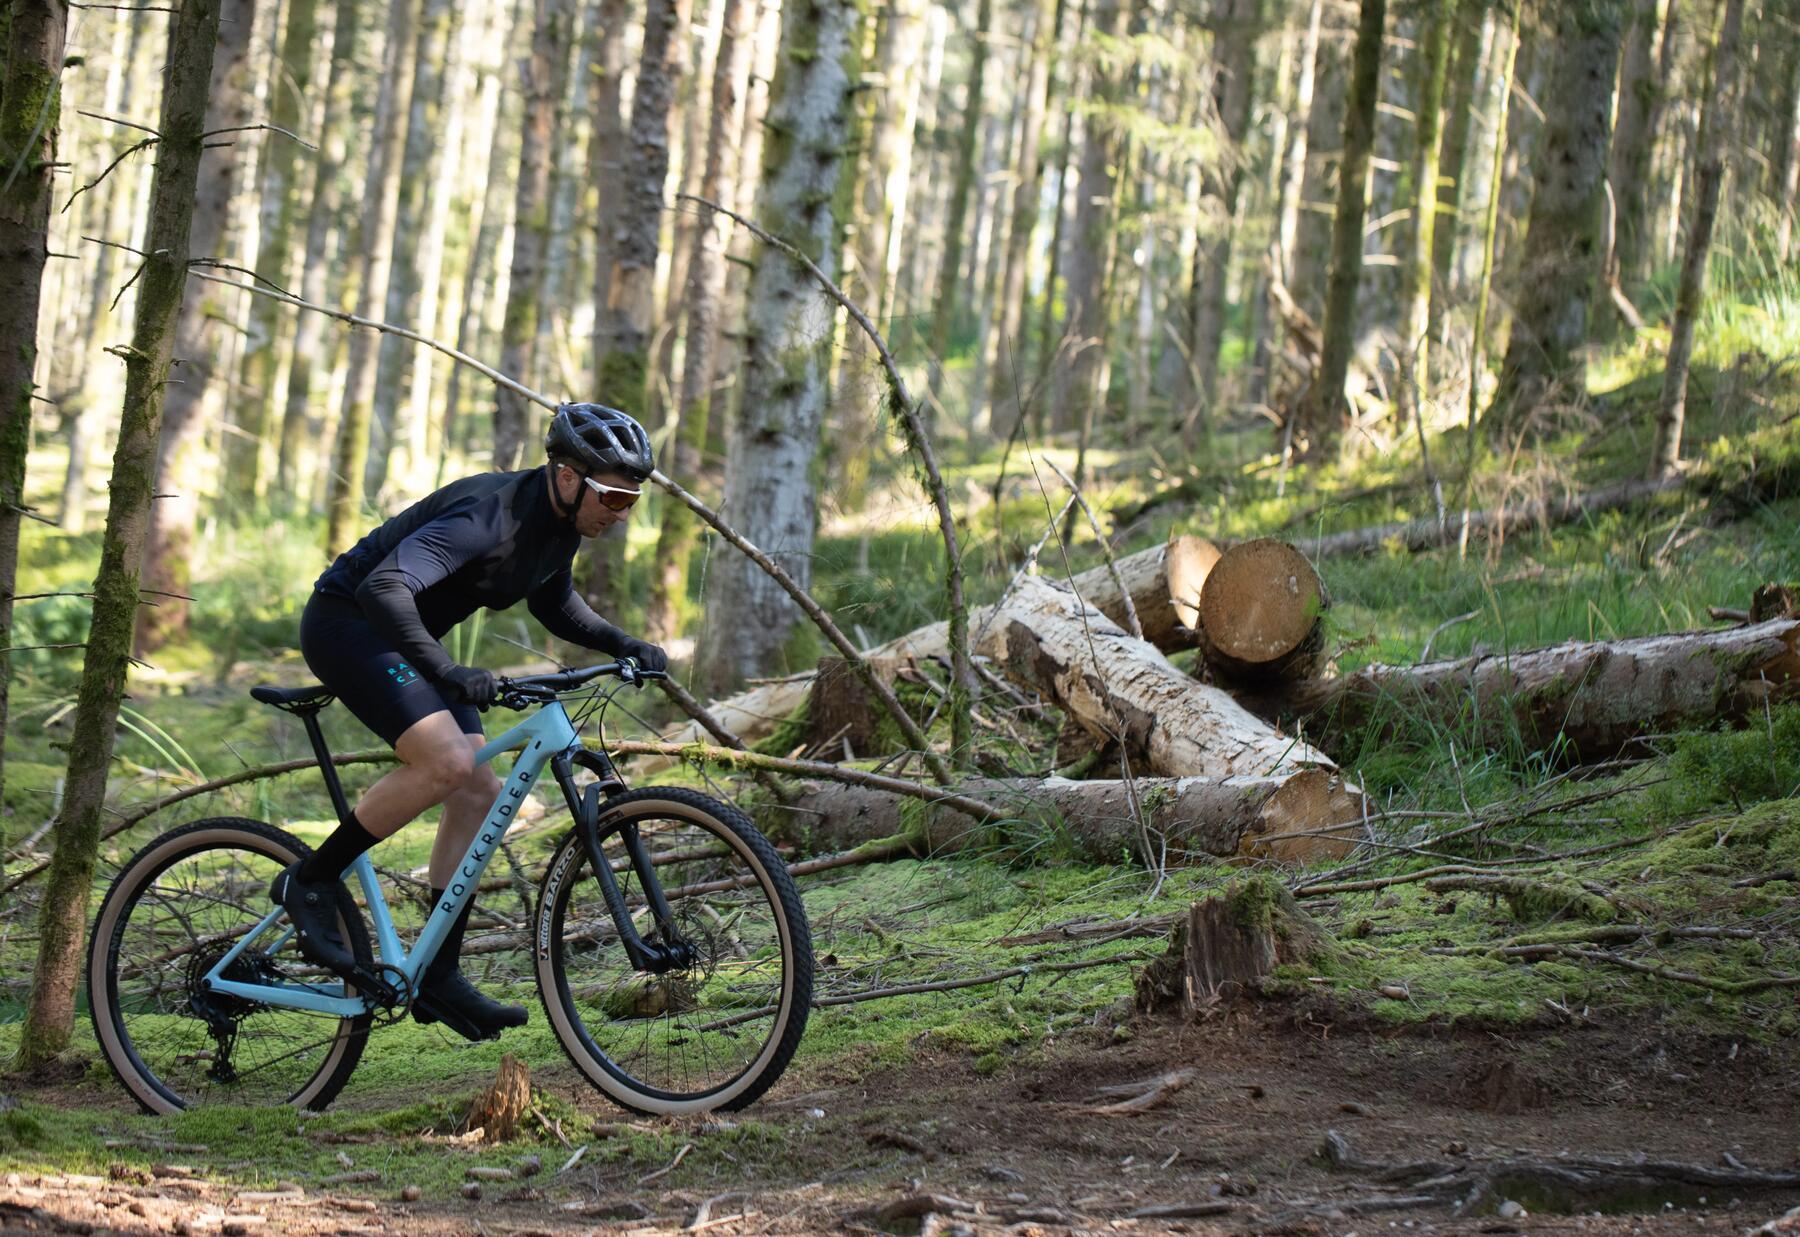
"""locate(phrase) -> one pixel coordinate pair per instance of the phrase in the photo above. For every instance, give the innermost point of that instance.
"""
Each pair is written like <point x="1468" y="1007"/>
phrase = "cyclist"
<point x="370" y="633"/>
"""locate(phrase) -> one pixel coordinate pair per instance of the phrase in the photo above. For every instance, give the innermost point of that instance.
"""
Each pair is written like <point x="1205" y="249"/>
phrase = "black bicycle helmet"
<point x="600" y="439"/>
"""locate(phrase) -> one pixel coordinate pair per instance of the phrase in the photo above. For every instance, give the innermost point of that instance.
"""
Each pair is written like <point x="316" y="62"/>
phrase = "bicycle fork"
<point x="670" y="951"/>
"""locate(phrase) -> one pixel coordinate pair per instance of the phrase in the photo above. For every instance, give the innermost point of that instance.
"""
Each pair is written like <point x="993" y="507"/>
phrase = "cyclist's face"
<point x="593" y="517"/>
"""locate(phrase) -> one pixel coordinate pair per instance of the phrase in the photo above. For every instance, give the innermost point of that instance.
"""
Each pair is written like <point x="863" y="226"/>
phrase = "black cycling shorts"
<point x="366" y="672"/>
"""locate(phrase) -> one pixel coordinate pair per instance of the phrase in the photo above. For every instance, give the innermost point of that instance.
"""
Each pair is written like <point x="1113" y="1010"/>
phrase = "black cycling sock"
<point x="450" y="952"/>
<point x="337" y="852"/>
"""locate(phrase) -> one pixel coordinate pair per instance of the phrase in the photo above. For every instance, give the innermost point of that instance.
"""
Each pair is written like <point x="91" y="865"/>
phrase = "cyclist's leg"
<point x="464" y="810"/>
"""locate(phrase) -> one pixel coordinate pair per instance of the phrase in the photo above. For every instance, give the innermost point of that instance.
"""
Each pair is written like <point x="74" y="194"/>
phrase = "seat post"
<point x="310" y="717"/>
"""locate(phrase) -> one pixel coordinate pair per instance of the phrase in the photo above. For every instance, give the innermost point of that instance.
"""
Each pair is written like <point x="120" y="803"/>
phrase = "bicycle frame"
<point x="546" y="737"/>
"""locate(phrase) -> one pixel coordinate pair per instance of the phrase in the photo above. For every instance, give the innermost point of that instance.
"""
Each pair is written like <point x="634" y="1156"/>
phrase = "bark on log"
<point x="1592" y="699"/>
<point x="1117" y="686"/>
<point x="1164" y="582"/>
<point x="1196" y="816"/>
<point x="1260" y="614"/>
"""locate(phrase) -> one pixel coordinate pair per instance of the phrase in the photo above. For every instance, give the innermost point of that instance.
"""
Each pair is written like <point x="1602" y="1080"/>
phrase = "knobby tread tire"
<point x="160" y="854"/>
<point x="565" y="873"/>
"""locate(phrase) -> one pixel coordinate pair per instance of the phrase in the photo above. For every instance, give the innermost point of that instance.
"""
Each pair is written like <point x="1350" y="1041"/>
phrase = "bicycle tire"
<point x="112" y="975"/>
<point x="557" y="952"/>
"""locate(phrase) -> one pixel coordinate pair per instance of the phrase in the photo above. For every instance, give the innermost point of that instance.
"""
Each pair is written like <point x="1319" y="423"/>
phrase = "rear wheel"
<point x="714" y="1033"/>
<point x="175" y="910"/>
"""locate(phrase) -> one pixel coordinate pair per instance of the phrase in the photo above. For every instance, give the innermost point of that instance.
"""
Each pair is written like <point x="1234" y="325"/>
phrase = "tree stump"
<point x="1224" y="947"/>
<point x="500" y="1108"/>
<point x="840" y="709"/>
<point x="1259" y="614"/>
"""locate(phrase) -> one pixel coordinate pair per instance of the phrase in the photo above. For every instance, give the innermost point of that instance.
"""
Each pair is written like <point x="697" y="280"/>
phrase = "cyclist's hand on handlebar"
<point x="648" y="656"/>
<point x="478" y="687"/>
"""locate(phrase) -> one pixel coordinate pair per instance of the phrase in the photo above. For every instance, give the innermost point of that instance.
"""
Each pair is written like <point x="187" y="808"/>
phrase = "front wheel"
<point x="175" y="910"/>
<point x="714" y="1034"/>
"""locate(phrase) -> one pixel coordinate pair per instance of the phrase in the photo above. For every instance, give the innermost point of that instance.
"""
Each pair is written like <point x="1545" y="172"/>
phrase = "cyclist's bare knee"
<point x="436" y="748"/>
<point x="481" y="786"/>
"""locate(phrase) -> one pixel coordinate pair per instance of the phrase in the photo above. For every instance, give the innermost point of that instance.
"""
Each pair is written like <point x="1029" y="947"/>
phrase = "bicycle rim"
<point x="177" y="908"/>
<point x="715" y="1034"/>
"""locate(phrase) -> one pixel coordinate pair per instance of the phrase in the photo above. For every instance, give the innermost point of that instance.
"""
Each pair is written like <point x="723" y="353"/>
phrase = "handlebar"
<point x="527" y="690"/>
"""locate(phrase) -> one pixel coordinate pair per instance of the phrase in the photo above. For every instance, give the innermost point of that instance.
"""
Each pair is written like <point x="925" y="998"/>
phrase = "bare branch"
<point x="253" y="128"/>
<point x="123" y="155"/>
<point x="115" y="120"/>
<point x="1112" y="565"/>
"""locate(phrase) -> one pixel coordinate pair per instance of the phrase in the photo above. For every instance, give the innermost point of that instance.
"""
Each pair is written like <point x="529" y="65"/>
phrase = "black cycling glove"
<point x="475" y="685"/>
<point x="648" y="656"/>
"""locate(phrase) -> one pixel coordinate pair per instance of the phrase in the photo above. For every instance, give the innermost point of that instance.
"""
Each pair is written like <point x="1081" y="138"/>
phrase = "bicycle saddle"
<point x="295" y="699"/>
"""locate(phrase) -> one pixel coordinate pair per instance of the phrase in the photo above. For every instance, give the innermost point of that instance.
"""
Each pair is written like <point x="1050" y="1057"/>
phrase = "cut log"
<point x="1116" y="686"/>
<point x="1227" y="945"/>
<point x="1093" y="820"/>
<point x="1584" y="702"/>
<point x="1164" y="582"/>
<point x="1261" y="612"/>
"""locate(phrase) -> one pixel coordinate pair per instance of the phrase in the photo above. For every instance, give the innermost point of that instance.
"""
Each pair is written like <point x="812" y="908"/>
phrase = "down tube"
<point x="542" y="735"/>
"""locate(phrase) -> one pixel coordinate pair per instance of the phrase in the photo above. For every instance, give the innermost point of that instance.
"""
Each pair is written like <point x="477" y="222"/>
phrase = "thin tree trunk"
<point x="1234" y="71"/>
<point x="1544" y="356"/>
<point x="552" y="28"/>
<point x="381" y="199"/>
<point x="705" y="290"/>
<point x="200" y="343"/>
<point x="434" y="54"/>
<point x="950" y="282"/>
<point x="1786" y="176"/>
<point x="1500" y="96"/>
<point x="1474" y="30"/>
<point x="1628" y="158"/>
<point x="62" y="917"/>
<point x="774" y="438"/>
<point x="30" y="121"/>
<point x="288" y="109"/>
<point x="1006" y="381"/>
<point x="1715" y="134"/>
<point x="309" y="329"/>
<point x="1664" y="184"/>
<point x="1325" y="414"/>
<point x="1415" y="319"/>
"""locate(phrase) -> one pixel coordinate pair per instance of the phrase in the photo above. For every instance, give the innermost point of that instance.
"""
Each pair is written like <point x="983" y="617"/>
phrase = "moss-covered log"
<point x="1583" y="702"/>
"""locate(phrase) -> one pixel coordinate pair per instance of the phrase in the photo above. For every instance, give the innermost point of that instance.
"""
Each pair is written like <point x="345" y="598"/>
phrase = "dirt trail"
<point x="842" y="1149"/>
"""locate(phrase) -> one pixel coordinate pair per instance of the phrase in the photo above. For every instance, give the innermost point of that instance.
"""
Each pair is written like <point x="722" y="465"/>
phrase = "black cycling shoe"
<point x="312" y="907"/>
<point x="452" y="1000"/>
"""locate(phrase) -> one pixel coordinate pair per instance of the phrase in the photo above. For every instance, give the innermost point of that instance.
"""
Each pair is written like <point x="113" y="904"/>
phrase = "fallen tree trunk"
<point x="1425" y="534"/>
<point x="1261" y="614"/>
<point x="1589" y="700"/>
<point x="1118" y="687"/>
<point x="1094" y="820"/>
<point x="1164" y="583"/>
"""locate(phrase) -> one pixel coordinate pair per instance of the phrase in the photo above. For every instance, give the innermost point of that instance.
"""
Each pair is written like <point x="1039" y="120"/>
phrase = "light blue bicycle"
<point x="669" y="944"/>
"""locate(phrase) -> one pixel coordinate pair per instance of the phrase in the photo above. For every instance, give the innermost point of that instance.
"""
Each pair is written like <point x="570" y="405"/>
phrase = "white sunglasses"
<point x="613" y="504"/>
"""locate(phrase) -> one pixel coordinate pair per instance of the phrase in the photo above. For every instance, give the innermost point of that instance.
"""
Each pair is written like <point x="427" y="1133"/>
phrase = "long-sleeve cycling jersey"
<point x="490" y="540"/>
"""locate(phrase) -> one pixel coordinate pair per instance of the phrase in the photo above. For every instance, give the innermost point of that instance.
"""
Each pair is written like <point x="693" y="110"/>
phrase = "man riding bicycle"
<point x="371" y="633"/>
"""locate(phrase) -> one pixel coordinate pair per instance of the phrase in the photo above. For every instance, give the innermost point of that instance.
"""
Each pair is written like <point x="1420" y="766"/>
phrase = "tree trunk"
<point x="1499" y="95"/>
<point x="1544" y="357"/>
<point x="381" y="203"/>
<point x="950" y="281"/>
<point x="1786" y="176"/>
<point x="1005" y="387"/>
<point x="1628" y="157"/>
<point x="552" y="28"/>
<point x="62" y="917"/>
<point x="1198" y="818"/>
<point x="30" y="120"/>
<point x="434" y="59"/>
<point x="1715" y="134"/>
<point x="774" y="437"/>
<point x="1083" y="362"/>
<point x="1415" y="318"/>
<point x="200" y="344"/>
<point x="622" y="356"/>
<point x="309" y="329"/>
<point x="1234" y="64"/>
<point x="1324" y="413"/>
<point x="706" y="286"/>
<point x="1578" y="702"/>
<point x="289" y="108"/>
<point x="1121" y="689"/>
<point x="1474" y="37"/>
